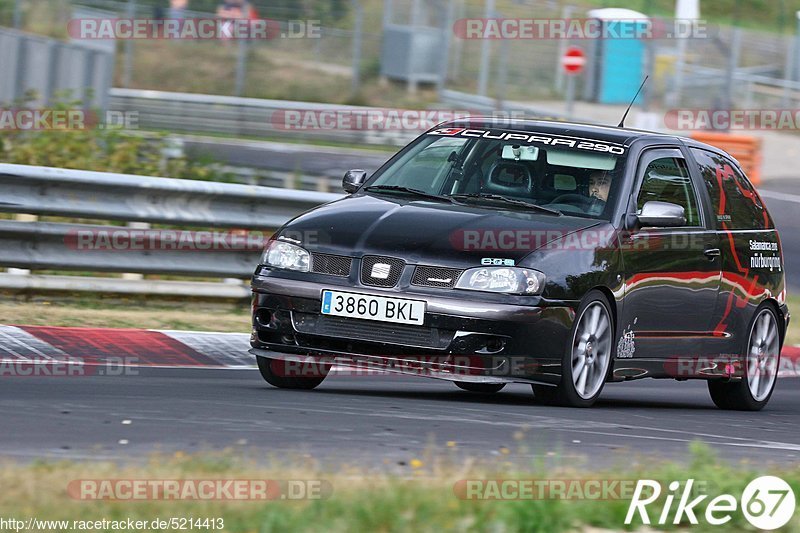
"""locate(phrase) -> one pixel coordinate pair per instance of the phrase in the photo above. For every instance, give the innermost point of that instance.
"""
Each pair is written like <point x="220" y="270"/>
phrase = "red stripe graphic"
<point x="96" y="345"/>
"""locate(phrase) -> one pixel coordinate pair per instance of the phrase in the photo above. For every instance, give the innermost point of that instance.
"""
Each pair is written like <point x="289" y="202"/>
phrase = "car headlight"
<point x="287" y="256"/>
<point x="510" y="280"/>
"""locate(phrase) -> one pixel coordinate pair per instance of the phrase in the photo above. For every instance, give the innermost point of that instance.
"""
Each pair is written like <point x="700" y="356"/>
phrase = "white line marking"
<point x="769" y="445"/>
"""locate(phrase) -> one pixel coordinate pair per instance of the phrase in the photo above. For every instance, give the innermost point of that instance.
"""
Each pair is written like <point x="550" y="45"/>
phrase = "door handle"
<point x="711" y="253"/>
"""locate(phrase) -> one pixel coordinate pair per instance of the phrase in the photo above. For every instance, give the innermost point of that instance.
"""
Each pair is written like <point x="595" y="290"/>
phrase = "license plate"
<point x="383" y="309"/>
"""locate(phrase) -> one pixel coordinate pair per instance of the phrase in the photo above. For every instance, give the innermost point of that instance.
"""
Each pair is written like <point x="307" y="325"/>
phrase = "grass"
<point x="420" y="498"/>
<point x="273" y="72"/>
<point x="125" y="312"/>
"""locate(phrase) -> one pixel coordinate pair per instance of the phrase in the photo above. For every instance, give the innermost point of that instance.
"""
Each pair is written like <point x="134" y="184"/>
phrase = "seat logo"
<point x="381" y="271"/>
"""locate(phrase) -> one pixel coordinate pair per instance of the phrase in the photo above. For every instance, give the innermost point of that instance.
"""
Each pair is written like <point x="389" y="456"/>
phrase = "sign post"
<point x="573" y="62"/>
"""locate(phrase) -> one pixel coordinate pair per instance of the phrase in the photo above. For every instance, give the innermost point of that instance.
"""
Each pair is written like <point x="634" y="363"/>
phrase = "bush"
<point x="100" y="149"/>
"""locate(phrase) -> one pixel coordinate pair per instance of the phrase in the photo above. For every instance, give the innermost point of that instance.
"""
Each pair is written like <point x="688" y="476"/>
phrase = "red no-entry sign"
<point x="573" y="60"/>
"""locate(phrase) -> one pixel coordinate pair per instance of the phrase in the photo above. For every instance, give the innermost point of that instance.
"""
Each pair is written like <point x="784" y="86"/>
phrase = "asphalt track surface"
<point x="783" y="201"/>
<point x="386" y="421"/>
<point x="287" y="157"/>
<point x="379" y="421"/>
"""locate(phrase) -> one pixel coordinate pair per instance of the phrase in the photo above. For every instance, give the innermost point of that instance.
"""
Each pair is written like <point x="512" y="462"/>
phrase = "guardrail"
<point x="477" y="103"/>
<point x="107" y="196"/>
<point x="245" y="117"/>
<point x="254" y="117"/>
<point x="144" y="200"/>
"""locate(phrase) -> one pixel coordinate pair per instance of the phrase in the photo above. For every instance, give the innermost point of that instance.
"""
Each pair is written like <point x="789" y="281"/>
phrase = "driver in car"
<point x="599" y="187"/>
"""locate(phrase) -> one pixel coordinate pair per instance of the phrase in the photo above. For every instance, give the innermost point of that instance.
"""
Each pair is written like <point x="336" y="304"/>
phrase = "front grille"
<point x="379" y="271"/>
<point x="371" y="331"/>
<point x="429" y="276"/>
<point x="334" y="265"/>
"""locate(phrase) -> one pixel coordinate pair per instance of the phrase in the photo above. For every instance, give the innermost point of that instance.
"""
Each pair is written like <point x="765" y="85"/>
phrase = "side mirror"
<point x="353" y="179"/>
<point x="662" y="215"/>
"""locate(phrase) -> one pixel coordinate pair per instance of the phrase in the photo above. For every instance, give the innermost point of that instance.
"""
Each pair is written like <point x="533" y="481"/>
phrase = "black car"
<point x="560" y="255"/>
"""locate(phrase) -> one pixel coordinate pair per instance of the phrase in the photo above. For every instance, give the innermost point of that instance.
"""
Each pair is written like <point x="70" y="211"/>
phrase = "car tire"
<point x="588" y="357"/>
<point x="481" y="388"/>
<point x="270" y="371"/>
<point x="763" y="347"/>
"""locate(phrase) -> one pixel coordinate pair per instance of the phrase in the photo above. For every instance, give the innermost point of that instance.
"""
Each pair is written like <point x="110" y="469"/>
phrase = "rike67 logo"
<point x="768" y="503"/>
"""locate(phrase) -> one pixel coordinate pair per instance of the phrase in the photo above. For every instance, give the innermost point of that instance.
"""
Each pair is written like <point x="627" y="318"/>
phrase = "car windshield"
<point x="508" y="169"/>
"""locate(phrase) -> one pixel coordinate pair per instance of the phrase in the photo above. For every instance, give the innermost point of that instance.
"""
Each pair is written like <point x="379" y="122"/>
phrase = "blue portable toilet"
<point x="619" y="56"/>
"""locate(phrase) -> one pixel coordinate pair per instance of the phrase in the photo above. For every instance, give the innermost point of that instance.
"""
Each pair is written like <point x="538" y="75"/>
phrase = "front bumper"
<point x="463" y="338"/>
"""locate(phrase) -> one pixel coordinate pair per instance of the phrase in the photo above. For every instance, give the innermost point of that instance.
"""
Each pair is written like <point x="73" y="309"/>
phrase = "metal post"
<point x="17" y="14"/>
<point x="788" y="72"/>
<point x="413" y="80"/>
<point x="459" y="44"/>
<point x="21" y="61"/>
<point x="447" y="36"/>
<point x="357" y="36"/>
<point x="796" y="76"/>
<point x="733" y="64"/>
<point x="388" y="11"/>
<point x="650" y="61"/>
<point x="483" y="76"/>
<point x="566" y="12"/>
<point x="135" y="226"/>
<point x="416" y="8"/>
<point x="50" y="86"/>
<point x="502" y="76"/>
<point x="680" y="62"/>
<point x="241" y="66"/>
<point x="22" y="217"/>
<point x="570" y="95"/>
<point x="89" y="66"/>
<point x="782" y="16"/>
<point x="128" y="66"/>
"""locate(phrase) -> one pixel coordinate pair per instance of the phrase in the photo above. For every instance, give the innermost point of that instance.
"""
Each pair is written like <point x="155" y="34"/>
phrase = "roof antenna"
<point x="622" y="122"/>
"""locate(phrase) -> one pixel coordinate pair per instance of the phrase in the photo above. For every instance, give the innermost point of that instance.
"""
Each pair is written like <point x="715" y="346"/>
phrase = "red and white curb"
<point x="790" y="362"/>
<point x="167" y="349"/>
<point x="128" y="347"/>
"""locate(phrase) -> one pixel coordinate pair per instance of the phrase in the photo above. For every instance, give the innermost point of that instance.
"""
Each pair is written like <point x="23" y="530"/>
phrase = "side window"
<point x="736" y="204"/>
<point x="667" y="179"/>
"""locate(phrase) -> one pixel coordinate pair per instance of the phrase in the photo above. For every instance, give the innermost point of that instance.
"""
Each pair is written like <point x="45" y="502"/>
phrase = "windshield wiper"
<point x="506" y="200"/>
<point x="409" y="190"/>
